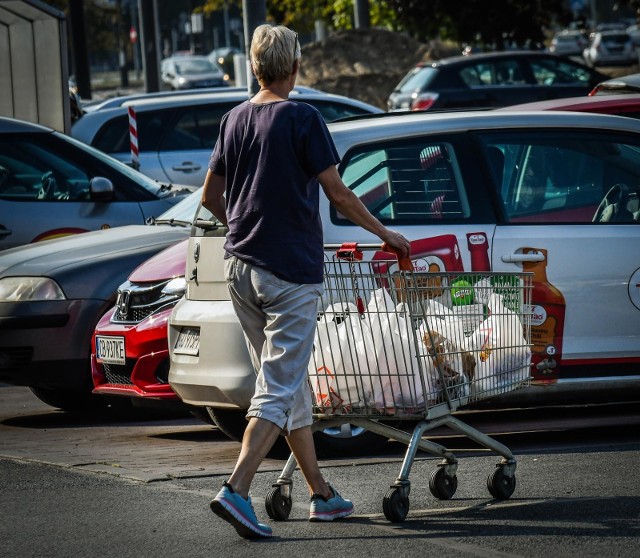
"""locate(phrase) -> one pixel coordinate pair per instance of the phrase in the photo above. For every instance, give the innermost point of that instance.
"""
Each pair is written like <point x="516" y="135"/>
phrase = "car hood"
<point x="92" y="264"/>
<point x="167" y="264"/>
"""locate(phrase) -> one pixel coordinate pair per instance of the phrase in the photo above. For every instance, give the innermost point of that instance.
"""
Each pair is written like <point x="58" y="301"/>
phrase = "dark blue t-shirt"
<point x="270" y="155"/>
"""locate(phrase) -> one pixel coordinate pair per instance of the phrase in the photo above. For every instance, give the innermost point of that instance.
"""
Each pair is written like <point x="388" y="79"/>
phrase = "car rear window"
<point x="417" y="79"/>
<point x="407" y="183"/>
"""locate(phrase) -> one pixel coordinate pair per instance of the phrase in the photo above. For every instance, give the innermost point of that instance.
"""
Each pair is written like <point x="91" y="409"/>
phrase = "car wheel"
<point x="232" y="423"/>
<point x="70" y="401"/>
<point x="347" y="440"/>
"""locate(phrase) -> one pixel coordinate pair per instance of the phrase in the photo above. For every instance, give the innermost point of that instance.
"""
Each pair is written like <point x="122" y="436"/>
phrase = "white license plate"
<point x="110" y="350"/>
<point x="188" y="342"/>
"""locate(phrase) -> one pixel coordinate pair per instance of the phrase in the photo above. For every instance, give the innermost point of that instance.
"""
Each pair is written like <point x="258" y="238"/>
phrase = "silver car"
<point x="176" y="134"/>
<point x="52" y="185"/>
<point x="551" y="193"/>
<point x="190" y="72"/>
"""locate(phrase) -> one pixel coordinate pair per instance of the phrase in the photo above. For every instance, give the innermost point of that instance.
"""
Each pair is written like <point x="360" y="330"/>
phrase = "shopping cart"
<point x="393" y="344"/>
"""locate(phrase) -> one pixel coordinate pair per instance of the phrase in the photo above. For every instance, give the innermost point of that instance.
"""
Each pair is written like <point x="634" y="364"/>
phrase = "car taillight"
<point x="424" y="101"/>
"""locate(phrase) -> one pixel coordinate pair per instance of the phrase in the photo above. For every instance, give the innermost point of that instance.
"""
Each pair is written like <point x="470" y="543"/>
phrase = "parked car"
<point x="634" y="32"/>
<point x="52" y="185"/>
<point x="223" y="56"/>
<point x="614" y="86"/>
<point x="176" y="134"/>
<point x="550" y="193"/>
<point x="53" y="293"/>
<point x="610" y="48"/>
<point x="568" y="43"/>
<point x="621" y="105"/>
<point x="190" y="72"/>
<point x="490" y="80"/>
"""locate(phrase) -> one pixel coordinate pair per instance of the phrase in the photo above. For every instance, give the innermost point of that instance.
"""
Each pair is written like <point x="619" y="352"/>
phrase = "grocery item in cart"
<point x="501" y="353"/>
<point x="366" y="359"/>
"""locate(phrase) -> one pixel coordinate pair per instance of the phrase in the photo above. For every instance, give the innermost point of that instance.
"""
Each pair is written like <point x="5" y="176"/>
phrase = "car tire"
<point x="70" y="401"/>
<point x="346" y="441"/>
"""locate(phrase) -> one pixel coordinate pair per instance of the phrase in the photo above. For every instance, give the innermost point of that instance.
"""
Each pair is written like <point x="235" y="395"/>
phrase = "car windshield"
<point x="183" y="211"/>
<point x="197" y="66"/>
<point x="156" y="188"/>
<point x="417" y="79"/>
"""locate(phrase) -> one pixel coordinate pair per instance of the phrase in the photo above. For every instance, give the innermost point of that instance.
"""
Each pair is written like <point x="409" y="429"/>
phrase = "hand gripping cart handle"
<point x="395" y="344"/>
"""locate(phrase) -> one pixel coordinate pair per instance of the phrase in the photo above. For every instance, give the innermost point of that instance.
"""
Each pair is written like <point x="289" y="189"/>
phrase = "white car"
<point x="610" y="48"/>
<point x="568" y="43"/>
<point x="554" y="193"/>
<point x="176" y="133"/>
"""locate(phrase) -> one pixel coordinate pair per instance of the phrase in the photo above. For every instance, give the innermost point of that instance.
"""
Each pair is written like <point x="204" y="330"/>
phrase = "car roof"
<point x="404" y="124"/>
<point x="486" y="56"/>
<point x="126" y="100"/>
<point x="14" y="125"/>
<point x="583" y="103"/>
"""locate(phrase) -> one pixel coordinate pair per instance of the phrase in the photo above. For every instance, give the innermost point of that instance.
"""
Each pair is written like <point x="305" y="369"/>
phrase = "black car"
<point x="490" y="80"/>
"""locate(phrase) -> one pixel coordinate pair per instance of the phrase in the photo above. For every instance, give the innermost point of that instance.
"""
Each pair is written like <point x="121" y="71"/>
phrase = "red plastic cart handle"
<point x="404" y="263"/>
<point x="349" y="251"/>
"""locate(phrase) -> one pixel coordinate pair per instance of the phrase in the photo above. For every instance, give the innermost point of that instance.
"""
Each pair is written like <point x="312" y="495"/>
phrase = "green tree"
<point x="490" y="23"/>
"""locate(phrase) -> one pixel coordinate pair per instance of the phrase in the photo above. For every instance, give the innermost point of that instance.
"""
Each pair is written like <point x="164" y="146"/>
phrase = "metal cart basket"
<point x="395" y="344"/>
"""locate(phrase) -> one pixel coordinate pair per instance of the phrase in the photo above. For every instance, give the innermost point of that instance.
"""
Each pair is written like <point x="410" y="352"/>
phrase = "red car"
<point x="621" y="105"/>
<point x="130" y="355"/>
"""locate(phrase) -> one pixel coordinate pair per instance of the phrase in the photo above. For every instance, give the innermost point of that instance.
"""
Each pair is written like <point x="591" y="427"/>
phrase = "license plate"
<point x="188" y="342"/>
<point x="110" y="350"/>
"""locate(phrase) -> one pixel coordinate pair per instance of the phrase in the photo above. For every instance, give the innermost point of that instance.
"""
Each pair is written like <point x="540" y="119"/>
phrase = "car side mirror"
<point x="101" y="189"/>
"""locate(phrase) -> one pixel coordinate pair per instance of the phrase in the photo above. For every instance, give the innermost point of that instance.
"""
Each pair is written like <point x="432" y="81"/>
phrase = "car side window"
<point x="412" y="182"/>
<point x="547" y="179"/>
<point x="29" y="171"/>
<point x="332" y="111"/>
<point x="551" y="72"/>
<point x="114" y="136"/>
<point x="196" y="128"/>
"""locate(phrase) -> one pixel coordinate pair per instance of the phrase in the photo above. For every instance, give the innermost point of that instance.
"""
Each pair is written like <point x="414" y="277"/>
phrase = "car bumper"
<point x="213" y="378"/>
<point x="147" y="359"/>
<point x="47" y="344"/>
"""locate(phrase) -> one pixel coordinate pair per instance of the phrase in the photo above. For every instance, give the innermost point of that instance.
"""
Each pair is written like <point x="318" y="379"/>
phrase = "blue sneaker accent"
<point x="328" y="510"/>
<point x="237" y="511"/>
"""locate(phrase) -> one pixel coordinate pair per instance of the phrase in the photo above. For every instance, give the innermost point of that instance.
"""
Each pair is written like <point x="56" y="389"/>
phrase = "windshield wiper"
<point x="154" y="221"/>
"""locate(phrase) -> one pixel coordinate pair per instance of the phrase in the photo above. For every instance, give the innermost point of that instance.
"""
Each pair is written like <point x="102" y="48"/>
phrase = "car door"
<point x="45" y="192"/>
<point x="189" y="138"/>
<point x="571" y="217"/>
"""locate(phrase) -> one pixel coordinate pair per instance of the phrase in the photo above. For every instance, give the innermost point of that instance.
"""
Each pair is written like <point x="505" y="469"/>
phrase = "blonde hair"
<point x="274" y="49"/>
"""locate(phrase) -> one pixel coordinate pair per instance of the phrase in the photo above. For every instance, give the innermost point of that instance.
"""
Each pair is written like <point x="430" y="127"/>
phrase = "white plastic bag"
<point x="342" y="350"/>
<point x="500" y="349"/>
<point x="395" y="374"/>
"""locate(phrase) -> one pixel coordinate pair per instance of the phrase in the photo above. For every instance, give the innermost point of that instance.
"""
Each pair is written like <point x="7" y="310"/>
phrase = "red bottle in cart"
<point x="547" y="321"/>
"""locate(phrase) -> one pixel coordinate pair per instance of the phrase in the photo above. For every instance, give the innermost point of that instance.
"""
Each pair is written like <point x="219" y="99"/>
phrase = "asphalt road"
<point x="71" y="487"/>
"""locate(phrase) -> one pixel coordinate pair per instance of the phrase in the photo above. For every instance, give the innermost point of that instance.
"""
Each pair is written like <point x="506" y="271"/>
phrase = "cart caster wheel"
<point x="278" y="506"/>
<point x="395" y="505"/>
<point x="442" y="486"/>
<point x="500" y="485"/>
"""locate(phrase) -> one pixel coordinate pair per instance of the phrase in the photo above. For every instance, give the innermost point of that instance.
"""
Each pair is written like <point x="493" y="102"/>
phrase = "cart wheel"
<point x="500" y="485"/>
<point x="395" y="505"/>
<point x="442" y="486"/>
<point x="278" y="506"/>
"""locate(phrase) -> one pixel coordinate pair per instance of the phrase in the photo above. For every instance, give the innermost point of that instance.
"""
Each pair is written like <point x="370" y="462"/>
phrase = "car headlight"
<point x="175" y="287"/>
<point x="182" y="80"/>
<point x="22" y="289"/>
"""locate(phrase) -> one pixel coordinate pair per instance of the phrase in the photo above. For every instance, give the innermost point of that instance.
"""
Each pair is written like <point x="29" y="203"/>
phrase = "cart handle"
<point x="404" y="263"/>
<point x="351" y="252"/>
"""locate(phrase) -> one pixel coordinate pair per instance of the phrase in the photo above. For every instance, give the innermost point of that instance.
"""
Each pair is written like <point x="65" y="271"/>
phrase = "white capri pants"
<point x="278" y="319"/>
